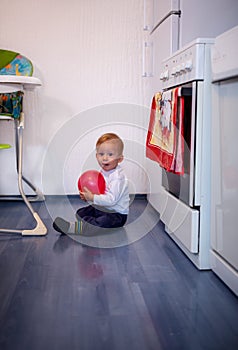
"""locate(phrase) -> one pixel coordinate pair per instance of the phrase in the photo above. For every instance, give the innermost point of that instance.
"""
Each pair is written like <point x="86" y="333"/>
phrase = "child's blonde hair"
<point x="110" y="137"/>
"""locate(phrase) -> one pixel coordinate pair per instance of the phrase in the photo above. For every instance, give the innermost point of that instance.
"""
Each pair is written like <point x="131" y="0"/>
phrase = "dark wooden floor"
<point x="56" y="293"/>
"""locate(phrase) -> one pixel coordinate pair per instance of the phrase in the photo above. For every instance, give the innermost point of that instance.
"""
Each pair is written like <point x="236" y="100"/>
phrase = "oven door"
<point x="181" y="197"/>
<point x="186" y="186"/>
<point x="224" y="186"/>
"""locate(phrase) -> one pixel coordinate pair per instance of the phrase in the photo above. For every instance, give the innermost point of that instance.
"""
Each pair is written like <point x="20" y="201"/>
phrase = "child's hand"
<point x="86" y="195"/>
<point x="81" y="195"/>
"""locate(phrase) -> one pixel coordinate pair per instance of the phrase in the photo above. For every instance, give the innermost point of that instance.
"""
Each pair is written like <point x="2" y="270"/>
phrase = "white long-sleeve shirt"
<point x="116" y="196"/>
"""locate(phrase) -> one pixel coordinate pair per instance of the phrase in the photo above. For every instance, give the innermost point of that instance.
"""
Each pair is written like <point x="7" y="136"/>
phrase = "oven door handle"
<point x="192" y="145"/>
<point x="197" y="115"/>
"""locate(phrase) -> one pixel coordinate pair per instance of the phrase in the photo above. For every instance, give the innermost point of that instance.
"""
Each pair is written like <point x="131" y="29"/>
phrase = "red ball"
<point x="93" y="180"/>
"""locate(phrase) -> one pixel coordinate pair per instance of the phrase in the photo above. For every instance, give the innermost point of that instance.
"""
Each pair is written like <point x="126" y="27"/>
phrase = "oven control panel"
<point x="188" y="64"/>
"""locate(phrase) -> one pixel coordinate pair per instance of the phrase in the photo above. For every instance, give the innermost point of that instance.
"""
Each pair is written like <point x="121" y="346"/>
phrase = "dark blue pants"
<point x="100" y="218"/>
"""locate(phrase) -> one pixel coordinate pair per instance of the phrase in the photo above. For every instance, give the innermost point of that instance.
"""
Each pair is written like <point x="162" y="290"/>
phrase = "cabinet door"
<point x="206" y="19"/>
<point x="224" y="184"/>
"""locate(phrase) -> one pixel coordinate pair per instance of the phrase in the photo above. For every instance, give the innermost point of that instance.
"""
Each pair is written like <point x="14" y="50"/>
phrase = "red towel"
<point x="164" y="142"/>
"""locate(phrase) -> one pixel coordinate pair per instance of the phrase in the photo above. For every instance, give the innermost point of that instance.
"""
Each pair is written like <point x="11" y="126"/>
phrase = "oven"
<point x="182" y="185"/>
<point x="185" y="194"/>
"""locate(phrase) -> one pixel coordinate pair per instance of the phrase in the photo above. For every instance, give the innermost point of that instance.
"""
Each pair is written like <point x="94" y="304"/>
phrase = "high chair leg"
<point x="39" y="196"/>
<point x="40" y="229"/>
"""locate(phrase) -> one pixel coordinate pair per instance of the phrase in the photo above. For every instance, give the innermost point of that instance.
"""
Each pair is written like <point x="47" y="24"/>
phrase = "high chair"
<point x="16" y="85"/>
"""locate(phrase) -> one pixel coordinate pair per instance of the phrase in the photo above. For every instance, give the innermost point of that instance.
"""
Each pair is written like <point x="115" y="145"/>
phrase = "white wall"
<point x="88" y="54"/>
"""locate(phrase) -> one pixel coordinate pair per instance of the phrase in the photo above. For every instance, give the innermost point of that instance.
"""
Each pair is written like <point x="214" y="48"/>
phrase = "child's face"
<point x="108" y="155"/>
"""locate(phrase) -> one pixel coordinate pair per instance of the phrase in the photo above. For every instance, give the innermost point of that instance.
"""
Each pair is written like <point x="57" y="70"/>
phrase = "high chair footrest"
<point x="4" y="146"/>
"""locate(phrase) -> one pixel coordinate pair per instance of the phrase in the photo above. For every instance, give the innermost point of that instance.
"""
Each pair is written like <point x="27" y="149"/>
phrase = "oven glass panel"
<point x="178" y="185"/>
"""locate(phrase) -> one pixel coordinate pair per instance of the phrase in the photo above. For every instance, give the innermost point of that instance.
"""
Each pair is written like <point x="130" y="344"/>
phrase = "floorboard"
<point x="56" y="293"/>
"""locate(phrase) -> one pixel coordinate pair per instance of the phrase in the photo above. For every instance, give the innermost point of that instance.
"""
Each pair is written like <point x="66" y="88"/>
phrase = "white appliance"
<point x="184" y="200"/>
<point x="224" y="186"/>
<point x="170" y="25"/>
